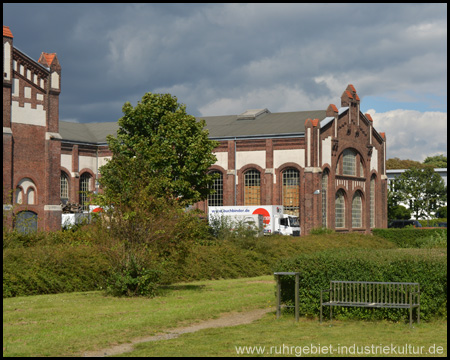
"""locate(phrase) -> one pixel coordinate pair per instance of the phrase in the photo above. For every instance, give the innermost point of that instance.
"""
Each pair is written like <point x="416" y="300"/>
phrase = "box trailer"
<point x="274" y="219"/>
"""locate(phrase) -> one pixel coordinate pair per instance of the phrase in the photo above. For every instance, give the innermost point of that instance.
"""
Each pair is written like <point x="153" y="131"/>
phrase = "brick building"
<point x="31" y="146"/>
<point x="326" y="166"/>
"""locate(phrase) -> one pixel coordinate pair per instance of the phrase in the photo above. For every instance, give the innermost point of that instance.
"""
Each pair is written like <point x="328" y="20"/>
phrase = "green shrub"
<point x="424" y="266"/>
<point x="410" y="237"/>
<point x="321" y="231"/>
<point x="133" y="279"/>
<point x="432" y="222"/>
<point x="52" y="269"/>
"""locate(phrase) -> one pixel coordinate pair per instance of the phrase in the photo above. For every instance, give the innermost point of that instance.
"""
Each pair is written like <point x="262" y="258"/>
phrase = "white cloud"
<point x="278" y="98"/>
<point x="412" y="134"/>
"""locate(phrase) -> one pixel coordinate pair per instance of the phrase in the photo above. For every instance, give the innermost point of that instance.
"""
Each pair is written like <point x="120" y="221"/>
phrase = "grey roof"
<point x="87" y="133"/>
<point x="220" y="127"/>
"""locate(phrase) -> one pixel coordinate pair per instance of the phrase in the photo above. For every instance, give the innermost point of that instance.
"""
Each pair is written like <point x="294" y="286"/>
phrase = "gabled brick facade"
<point x="326" y="166"/>
<point x="320" y="151"/>
<point x="31" y="141"/>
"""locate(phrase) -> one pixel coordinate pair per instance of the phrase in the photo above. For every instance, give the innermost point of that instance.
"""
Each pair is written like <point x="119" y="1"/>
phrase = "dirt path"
<point x="229" y="319"/>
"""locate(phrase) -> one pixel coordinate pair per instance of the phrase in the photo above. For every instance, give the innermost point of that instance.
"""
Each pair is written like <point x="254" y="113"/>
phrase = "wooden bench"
<point x="400" y="295"/>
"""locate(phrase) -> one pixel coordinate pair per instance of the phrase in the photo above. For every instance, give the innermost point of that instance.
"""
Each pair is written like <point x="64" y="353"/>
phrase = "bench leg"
<point x="410" y="316"/>
<point x="278" y="296"/>
<point x="297" y="280"/>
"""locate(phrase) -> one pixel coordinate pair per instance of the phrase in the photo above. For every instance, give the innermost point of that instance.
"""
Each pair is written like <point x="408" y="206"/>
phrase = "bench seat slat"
<point x="373" y="294"/>
<point x="359" y="304"/>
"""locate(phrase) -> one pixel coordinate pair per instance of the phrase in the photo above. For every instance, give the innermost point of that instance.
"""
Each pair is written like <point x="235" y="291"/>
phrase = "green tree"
<point x="397" y="163"/>
<point x="160" y="161"/>
<point x="159" y="143"/>
<point x="439" y="161"/>
<point x="423" y="189"/>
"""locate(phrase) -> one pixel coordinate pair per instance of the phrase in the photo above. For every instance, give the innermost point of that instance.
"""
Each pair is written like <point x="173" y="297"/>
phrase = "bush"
<point x="133" y="279"/>
<point x="432" y="222"/>
<point x="52" y="269"/>
<point x="426" y="267"/>
<point x="412" y="237"/>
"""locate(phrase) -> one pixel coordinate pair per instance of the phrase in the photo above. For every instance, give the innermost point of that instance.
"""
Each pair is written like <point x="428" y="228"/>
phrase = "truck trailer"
<point x="274" y="219"/>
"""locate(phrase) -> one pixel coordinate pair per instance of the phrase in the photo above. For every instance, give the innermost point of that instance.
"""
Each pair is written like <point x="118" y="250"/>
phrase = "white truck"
<point x="274" y="219"/>
<point x="252" y="221"/>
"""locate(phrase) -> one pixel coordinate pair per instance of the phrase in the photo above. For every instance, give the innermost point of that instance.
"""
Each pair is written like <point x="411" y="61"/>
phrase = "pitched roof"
<point x="219" y="127"/>
<point x="7" y="32"/>
<point x="48" y="57"/>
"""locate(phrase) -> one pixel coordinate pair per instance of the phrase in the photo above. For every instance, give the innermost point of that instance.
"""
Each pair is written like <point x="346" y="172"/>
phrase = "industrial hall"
<point x="328" y="166"/>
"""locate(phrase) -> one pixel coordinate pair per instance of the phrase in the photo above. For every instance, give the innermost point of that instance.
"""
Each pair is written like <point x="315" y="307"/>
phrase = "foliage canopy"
<point x="423" y="189"/>
<point x="158" y="143"/>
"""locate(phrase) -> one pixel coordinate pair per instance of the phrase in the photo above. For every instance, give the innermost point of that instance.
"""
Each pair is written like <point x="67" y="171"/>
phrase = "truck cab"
<point x="287" y="225"/>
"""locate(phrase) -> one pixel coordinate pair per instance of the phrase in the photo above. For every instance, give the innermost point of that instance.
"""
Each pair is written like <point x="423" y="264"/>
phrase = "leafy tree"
<point x="423" y="189"/>
<point x="159" y="143"/>
<point x="396" y="163"/>
<point x="160" y="161"/>
<point x="399" y="212"/>
<point x="439" y="161"/>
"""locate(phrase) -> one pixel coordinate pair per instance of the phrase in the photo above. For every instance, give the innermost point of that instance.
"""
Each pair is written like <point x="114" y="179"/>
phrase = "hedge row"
<point x="52" y="269"/>
<point x="415" y="238"/>
<point x="428" y="267"/>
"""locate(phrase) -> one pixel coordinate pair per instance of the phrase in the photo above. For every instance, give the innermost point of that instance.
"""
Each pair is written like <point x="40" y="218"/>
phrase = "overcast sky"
<point x="222" y="59"/>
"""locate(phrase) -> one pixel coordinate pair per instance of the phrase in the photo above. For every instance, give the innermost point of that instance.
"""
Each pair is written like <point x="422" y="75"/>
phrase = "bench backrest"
<point x="395" y="293"/>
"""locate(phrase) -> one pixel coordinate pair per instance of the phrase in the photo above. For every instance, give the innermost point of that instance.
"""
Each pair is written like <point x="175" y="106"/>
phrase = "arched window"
<point x="30" y="196"/>
<point x="349" y="162"/>
<point x="291" y="191"/>
<point x="252" y="188"/>
<point x="340" y="209"/>
<point x="26" y="192"/>
<point x="64" y="188"/>
<point x="19" y="195"/>
<point x="324" y="197"/>
<point x="361" y="169"/>
<point x="216" y="199"/>
<point x="85" y="180"/>
<point x="357" y="210"/>
<point x="372" y="202"/>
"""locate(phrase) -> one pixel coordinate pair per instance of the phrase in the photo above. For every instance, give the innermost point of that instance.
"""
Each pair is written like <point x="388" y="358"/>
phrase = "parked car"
<point x="399" y="224"/>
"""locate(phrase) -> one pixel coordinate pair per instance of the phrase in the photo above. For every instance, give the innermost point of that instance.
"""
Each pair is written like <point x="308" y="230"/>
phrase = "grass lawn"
<point x="70" y="324"/>
<point x="284" y="337"/>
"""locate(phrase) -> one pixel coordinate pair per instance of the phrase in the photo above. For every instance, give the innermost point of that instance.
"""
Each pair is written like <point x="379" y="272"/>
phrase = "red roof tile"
<point x="49" y="57"/>
<point x="7" y="32"/>
<point x="349" y="94"/>
<point x="352" y="88"/>
<point x="369" y="117"/>
<point x="315" y="122"/>
<point x="335" y="109"/>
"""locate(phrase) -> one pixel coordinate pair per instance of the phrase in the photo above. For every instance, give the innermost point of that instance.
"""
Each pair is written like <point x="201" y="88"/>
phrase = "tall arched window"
<point x="19" y="195"/>
<point x="349" y="162"/>
<point x="340" y="209"/>
<point x="216" y="199"/>
<point x="291" y="191"/>
<point x="357" y="210"/>
<point x="372" y="202"/>
<point x="64" y="188"/>
<point x="85" y="180"/>
<point x="252" y="188"/>
<point x="31" y="196"/>
<point x="324" y="197"/>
